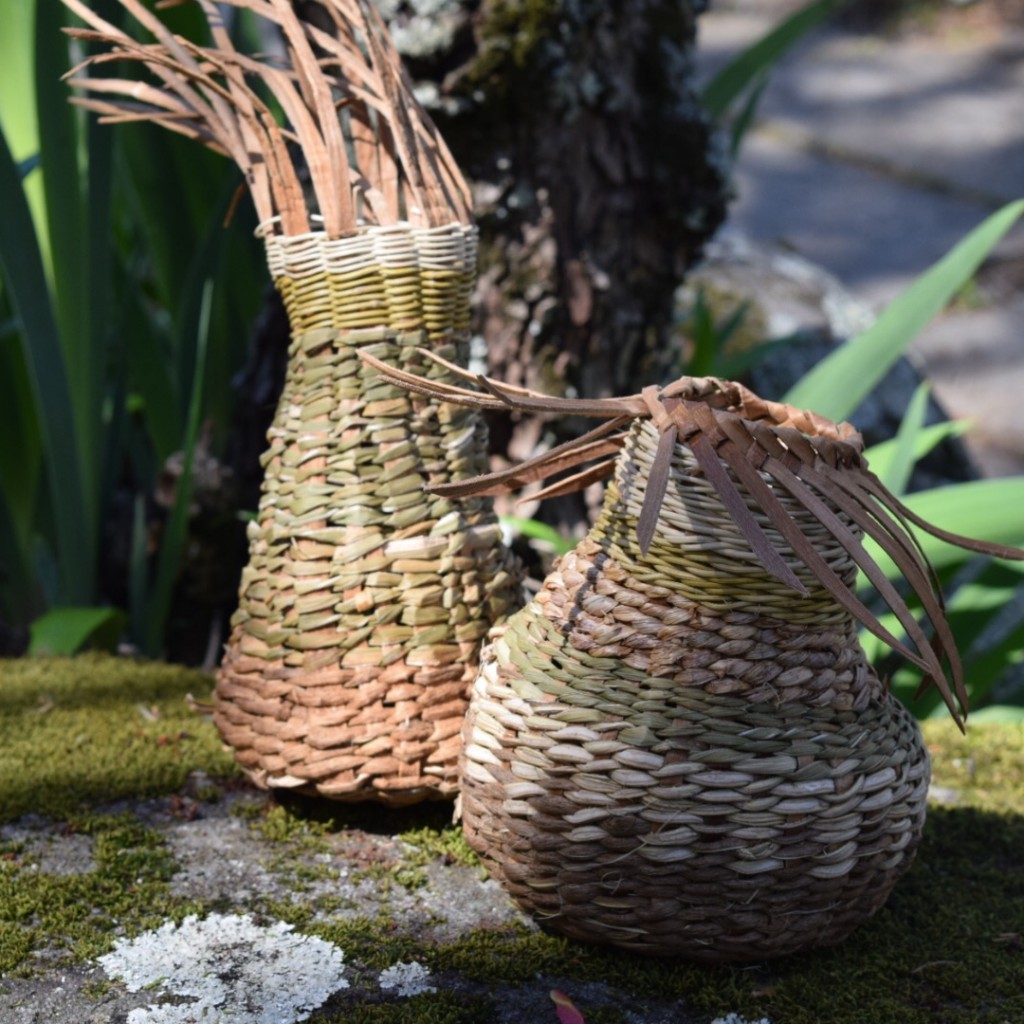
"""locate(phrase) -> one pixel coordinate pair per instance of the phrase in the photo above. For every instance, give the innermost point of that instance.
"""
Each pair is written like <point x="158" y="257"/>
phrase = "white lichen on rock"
<point x="230" y="969"/>
<point x="735" y="1018"/>
<point x="406" y="979"/>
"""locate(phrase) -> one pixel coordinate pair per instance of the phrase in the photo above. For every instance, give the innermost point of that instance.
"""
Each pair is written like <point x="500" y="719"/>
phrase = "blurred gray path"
<point x="874" y="153"/>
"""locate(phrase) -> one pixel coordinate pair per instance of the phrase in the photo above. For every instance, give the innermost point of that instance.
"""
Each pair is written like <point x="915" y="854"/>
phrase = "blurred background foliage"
<point x="132" y="291"/>
<point x="117" y="270"/>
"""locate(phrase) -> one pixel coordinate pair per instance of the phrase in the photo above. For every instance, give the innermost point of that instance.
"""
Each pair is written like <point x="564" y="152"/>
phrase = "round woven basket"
<point x="366" y="598"/>
<point x="675" y="752"/>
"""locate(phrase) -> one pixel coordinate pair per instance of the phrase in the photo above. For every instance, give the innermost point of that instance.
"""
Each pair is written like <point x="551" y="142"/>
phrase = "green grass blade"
<point x="20" y="453"/>
<point x="896" y="475"/>
<point x="881" y="456"/>
<point x="20" y="598"/>
<point x="744" y="119"/>
<point x="169" y="560"/>
<point x="745" y="69"/>
<point x="138" y="574"/>
<point x="63" y="182"/>
<point x="18" y="119"/>
<point x="542" y="532"/>
<point x="25" y="280"/>
<point x="65" y="631"/>
<point x="840" y="382"/>
<point x="151" y="374"/>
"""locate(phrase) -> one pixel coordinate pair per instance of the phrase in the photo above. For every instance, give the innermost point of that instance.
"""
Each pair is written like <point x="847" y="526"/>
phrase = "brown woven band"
<point x="672" y="750"/>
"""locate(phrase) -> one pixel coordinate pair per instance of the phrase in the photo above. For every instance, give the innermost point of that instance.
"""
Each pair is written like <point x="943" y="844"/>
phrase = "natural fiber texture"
<point x="366" y="597"/>
<point x="674" y="753"/>
<point x="678" y="746"/>
<point x="351" y="118"/>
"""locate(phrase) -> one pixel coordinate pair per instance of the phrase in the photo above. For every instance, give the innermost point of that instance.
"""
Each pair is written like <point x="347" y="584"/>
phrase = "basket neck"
<point x="699" y="552"/>
<point x="397" y="277"/>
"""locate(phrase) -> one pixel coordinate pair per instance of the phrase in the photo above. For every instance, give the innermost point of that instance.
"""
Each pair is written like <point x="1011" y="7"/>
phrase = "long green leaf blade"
<point x="987" y="510"/>
<point x="62" y="177"/>
<point x="169" y="561"/>
<point x="840" y="382"/>
<point x="880" y="456"/>
<point x="25" y="279"/>
<point x="745" y="69"/>
<point x="896" y="475"/>
<point x="18" y="119"/>
<point x="20" y="463"/>
<point x="65" y="631"/>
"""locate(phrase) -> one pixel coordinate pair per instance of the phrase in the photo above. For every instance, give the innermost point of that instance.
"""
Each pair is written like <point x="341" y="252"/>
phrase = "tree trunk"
<point x="596" y="173"/>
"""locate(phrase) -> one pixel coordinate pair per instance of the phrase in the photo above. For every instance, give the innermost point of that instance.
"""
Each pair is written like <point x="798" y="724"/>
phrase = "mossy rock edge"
<point x="104" y="761"/>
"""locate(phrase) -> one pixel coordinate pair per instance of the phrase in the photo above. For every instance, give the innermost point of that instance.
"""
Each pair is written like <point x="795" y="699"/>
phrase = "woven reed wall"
<point x="365" y="599"/>
<point x="677" y="754"/>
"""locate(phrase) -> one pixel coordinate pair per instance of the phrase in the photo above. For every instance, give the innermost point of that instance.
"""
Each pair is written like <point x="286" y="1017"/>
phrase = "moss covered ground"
<point x="79" y="739"/>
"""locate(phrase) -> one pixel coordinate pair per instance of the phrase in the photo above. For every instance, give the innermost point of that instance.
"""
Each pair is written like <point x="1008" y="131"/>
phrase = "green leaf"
<point x="536" y="530"/>
<point x="18" y="120"/>
<point x="63" y="179"/>
<point x="744" y="119"/>
<point x="21" y="266"/>
<point x="735" y="365"/>
<point x="986" y="510"/>
<point x="150" y="369"/>
<point x="20" y="462"/>
<point x="66" y="631"/>
<point x="173" y="544"/>
<point x="28" y="165"/>
<point x="901" y="463"/>
<point x="880" y="456"/>
<point x="904" y="455"/>
<point x="748" y="67"/>
<point x="840" y="382"/>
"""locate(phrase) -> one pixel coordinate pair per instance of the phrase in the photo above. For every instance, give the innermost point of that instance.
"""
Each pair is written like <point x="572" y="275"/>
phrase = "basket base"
<point x="712" y="857"/>
<point x="388" y="736"/>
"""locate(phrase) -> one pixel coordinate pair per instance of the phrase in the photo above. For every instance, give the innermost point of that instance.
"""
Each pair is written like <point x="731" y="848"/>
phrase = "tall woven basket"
<point x="366" y="597"/>
<point x="678" y="746"/>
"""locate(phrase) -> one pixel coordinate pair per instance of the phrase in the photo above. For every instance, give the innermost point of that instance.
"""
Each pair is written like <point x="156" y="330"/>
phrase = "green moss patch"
<point x="76" y="917"/>
<point x="435" y="1007"/>
<point x="81" y="731"/>
<point x="984" y="768"/>
<point x="948" y="947"/>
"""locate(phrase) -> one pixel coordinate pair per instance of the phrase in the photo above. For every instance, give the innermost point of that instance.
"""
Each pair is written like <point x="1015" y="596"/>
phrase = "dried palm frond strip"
<point x="372" y="153"/>
<point x="676" y="751"/>
<point x="678" y="747"/>
<point x="740" y="440"/>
